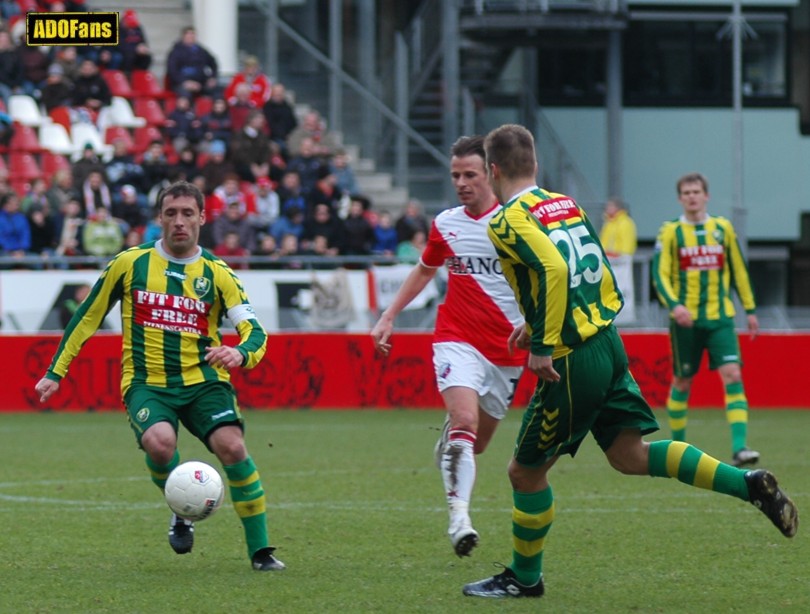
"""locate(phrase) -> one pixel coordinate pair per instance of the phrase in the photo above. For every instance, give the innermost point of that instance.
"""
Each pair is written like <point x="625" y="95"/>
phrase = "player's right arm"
<point x="419" y="277"/>
<point x="87" y="319"/>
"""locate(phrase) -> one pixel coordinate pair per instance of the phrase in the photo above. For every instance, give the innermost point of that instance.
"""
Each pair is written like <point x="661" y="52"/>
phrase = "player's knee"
<point x="629" y="455"/>
<point x="229" y="445"/>
<point x="160" y="441"/>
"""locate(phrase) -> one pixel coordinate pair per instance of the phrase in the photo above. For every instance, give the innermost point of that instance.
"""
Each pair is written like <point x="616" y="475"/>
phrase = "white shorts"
<point x="460" y="364"/>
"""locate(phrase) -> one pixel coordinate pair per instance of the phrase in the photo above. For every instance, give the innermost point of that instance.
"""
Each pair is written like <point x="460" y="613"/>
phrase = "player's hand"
<point x="519" y="339"/>
<point x="224" y="356"/>
<point x="381" y="333"/>
<point x="753" y="326"/>
<point x="543" y="368"/>
<point x="45" y="388"/>
<point x="682" y="316"/>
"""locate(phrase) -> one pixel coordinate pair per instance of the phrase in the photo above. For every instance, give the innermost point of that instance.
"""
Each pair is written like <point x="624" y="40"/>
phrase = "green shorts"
<point x="596" y="393"/>
<point x="201" y="408"/>
<point x="718" y="337"/>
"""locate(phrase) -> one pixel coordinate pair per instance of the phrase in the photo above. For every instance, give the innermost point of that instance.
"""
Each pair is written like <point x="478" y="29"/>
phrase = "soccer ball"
<point x="194" y="490"/>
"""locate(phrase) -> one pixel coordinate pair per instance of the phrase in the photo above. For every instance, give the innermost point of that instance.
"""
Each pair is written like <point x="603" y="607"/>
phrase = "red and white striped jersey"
<point x="480" y="307"/>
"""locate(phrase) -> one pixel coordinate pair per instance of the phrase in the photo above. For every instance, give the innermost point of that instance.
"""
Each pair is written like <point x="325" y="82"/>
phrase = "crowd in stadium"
<point x="277" y="182"/>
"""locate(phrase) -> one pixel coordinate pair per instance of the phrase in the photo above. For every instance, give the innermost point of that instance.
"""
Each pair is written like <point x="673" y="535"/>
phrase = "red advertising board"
<point x="342" y="371"/>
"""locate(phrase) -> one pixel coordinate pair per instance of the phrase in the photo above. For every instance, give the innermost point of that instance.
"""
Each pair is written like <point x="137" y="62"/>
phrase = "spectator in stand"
<point x="34" y="62"/>
<point x="290" y="193"/>
<point x="61" y="189"/>
<point x="325" y="223"/>
<point x="152" y="230"/>
<point x="134" y="48"/>
<point x="345" y="181"/>
<point x="319" y="246"/>
<point x="277" y="163"/>
<point x="102" y="236"/>
<point x="85" y="165"/>
<point x="268" y="205"/>
<point x="288" y="249"/>
<point x="280" y="116"/>
<point x="10" y="69"/>
<point x="412" y="219"/>
<point x="129" y="208"/>
<point x="133" y="238"/>
<point x="307" y="164"/>
<point x="216" y="167"/>
<point x="324" y="142"/>
<point x="35" y="195"/>
<point x="217" y="125"/>
<point x="191" y="70"/>
<point x="241" y="107"/>
<point x="90" y="91"/>
<point x="15" y="233"/>
<point x="231" y="251"/>
<point x="359" y="233"/>
<point x="290" y="222"/>
<point x="254" y="78"/>
<point x="411" y="250"/>
<point x="267" y="249"/>
<point x="69" y="223"/>
<point x="385" y="236"/>
<point x="43" y="232"/>
<point x="182" y="125"/>
<point x="57" y="91"/>
<point x="155" y="164"/>
<point x="95" y="194"/>
<point x="250" y="149"/>
<point x="9" y="9"/>
<point x="123" y="169"/>
<point x="186" y="167"/>
<point x="324" y="191"/>
<point x="231" y="192"/>
<point x="233" y="219"/>
<point x="5" y="187"/>
<point x="68" y="59"/>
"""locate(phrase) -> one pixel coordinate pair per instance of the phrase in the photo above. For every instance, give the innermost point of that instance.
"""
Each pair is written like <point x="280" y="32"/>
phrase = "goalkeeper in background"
<point x="697" y="257"/>
<point x="174" y="366"/>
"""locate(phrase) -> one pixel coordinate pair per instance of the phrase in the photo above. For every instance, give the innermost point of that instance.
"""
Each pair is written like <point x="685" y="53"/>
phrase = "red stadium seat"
<point x="114" y="133"/>
<point x="61" y="115"/>
<point x="23" y="166"/>
<point x="144" y="83"/>
<point x="203" y="105"/>
<point x="118" y="83"/>
<point x="144" y="136"/>
<point x="150" y="110"/>
<point x="52" y="162"/>
<point x="25" y="139"/>
<point x="20" y="186"/>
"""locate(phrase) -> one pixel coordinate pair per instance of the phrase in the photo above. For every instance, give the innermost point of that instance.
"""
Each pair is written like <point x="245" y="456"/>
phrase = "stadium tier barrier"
<point x="342" y="371"/>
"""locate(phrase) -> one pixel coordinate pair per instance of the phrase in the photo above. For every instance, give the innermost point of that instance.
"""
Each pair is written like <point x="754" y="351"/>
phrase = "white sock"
<point x="458" y="473"/>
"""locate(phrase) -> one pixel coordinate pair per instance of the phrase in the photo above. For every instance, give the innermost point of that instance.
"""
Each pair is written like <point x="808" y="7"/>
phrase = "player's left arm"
<point x="741" y="279"/>
<point x="252" y="336"/>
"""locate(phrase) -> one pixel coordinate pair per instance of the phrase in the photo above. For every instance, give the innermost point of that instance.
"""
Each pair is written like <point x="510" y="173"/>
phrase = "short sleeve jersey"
<point x="480" y="307"/>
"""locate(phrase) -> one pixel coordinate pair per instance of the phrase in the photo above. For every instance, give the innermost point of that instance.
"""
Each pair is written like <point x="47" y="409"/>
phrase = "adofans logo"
<point x="71" y="29"/>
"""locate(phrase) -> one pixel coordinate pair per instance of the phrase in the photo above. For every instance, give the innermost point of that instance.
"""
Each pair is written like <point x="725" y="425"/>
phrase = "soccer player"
<point x="475" y="372"/>
<point x="697" y="257"/>
<point x="174" y="366"/>
<point x="562" y="278"/>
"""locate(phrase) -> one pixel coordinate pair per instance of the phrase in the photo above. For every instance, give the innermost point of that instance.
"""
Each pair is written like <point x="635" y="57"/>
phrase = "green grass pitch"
<point x="356" y="509"/>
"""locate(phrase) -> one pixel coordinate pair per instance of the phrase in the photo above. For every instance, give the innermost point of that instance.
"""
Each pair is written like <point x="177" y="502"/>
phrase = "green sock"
<point x="687" y="464"/>
<point x="532" y="516"/>
<point x="247" y="496"/>
<point x="737" y="415"/>
<point x="160" y="473"/>
<point x="676" y="410"/>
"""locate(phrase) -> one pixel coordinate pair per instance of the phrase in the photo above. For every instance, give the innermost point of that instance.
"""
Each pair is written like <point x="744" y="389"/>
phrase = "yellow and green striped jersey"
<point x="171" y="310"/>
<point x="552" y="258"/>
<point x="695" y="264"/>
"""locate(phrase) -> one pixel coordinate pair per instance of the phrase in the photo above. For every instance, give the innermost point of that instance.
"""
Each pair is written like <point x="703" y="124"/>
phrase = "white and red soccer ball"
<point x="194" y="490"/>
